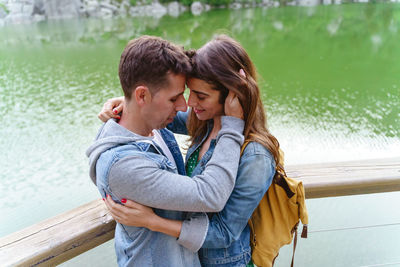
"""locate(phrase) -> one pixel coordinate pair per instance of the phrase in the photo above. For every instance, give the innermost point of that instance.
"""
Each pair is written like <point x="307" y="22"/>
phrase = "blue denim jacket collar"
<point x="173" y="146"/>
<point x="196" y="145"/>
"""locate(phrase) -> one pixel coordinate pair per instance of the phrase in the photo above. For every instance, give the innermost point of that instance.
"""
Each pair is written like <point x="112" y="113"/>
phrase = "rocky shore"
<point x="27" y="11"/>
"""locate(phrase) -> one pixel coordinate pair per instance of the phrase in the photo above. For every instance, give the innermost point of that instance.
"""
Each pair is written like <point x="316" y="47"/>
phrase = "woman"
<point x="220" y="66"/>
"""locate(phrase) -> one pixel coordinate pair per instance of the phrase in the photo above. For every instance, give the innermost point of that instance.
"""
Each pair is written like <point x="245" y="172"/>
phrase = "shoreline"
<point x="31" y="11"/>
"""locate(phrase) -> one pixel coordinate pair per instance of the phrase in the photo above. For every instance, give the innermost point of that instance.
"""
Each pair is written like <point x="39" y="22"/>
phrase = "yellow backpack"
<point x="276" y="218"/>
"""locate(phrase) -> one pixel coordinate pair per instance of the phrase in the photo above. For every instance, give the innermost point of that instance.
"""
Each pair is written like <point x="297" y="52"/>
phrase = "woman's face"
<point x="204" y="100"/>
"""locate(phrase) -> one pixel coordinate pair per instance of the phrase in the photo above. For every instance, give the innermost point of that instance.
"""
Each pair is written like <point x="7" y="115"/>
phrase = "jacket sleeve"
<point x="254" y="178"/>
<point x="139" y="178"/>
<point x="178" y="125"/>
<point x="194" y="231"/>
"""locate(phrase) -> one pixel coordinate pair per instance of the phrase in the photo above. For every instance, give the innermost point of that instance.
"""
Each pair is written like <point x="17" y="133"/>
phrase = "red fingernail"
<point x="118" y="117"/>
<point x="123" y="200"/>
<point x="104" y="199"/>
<point x="115" y="111"/>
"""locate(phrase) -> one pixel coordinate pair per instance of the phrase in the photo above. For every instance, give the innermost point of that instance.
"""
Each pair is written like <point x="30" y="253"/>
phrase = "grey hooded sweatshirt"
<point x="142" y="174"/>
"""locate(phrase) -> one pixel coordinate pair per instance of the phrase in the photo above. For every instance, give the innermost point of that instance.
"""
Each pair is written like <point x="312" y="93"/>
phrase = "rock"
<point x="173" y="9"/>
<point x="106" y="10"/>
<point x="56" y="9"/>
<point x="15" y="8"/>
<point x="196" y="8"/>
<point x="124" y="8"/>
<point x="38" y="7"/>
<point x="3" y="13"/>
<point x="105" y="13"/>
<point x="308" y="2"/>
<point x="19" y="12"/>
<point x="134" y="11"/>
<point x="235" y="5"/>
<point x="268" y="2"/>
<point x="156" y="10"/>
<point x="109" y="6"/>
<point x="92" y="8"/>
<point x="183" y="8"/>
<point x="327" y="2"/>
<point x="27" y="9"/>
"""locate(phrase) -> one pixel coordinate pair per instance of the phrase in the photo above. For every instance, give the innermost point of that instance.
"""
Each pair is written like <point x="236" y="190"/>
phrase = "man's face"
<point x="167" y="102"/>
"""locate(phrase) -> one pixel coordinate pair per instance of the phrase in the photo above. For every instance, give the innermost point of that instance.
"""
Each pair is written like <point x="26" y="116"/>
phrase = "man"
<point x="129" y="160"/>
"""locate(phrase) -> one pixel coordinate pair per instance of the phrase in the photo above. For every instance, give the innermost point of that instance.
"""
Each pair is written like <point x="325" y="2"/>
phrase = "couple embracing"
<point x="171" y="213"/>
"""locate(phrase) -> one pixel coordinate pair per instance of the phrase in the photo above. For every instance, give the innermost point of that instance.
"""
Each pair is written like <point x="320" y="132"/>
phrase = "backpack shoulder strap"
<point x="246" y="142"/>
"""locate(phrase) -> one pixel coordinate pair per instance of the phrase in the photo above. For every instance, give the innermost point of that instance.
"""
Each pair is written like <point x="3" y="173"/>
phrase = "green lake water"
<point x="330" y="77"/>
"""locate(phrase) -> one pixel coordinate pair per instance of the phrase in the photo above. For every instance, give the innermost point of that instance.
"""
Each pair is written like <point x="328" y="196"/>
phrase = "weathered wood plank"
<point x="348" y="178"/>
<point x="60" y="238"/>
<point x="69" y="234"/>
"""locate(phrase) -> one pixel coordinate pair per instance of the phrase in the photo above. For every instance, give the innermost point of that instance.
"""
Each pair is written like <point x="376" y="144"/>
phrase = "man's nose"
<point x="181" y="104"/>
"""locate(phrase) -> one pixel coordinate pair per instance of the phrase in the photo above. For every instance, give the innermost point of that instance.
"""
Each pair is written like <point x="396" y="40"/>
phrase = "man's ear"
<point x="142" y="95"/>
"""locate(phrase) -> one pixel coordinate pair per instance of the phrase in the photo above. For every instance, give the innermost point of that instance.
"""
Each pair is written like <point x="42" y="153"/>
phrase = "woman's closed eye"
<point x="201" y="96"/>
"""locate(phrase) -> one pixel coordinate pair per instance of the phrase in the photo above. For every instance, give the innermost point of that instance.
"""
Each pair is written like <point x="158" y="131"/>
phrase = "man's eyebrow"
<point x="201" y="93"/>
<point x="177" y="95"/>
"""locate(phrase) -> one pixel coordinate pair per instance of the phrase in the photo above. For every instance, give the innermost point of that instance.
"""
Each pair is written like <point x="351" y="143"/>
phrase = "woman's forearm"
<point x="166" y="226"/>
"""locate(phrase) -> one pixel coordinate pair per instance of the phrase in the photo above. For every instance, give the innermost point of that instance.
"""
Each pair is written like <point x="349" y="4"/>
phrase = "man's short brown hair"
<point x="147" y="60"/>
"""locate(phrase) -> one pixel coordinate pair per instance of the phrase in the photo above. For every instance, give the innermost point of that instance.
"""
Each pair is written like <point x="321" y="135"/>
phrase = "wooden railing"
<point x="67" y="235"/>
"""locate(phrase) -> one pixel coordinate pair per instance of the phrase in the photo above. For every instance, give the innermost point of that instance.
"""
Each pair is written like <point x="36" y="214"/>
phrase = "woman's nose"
<point x="192" y="100"/>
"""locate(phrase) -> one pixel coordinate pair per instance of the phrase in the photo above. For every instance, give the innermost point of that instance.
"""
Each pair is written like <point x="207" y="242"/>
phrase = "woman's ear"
<point x="241" y="72"/>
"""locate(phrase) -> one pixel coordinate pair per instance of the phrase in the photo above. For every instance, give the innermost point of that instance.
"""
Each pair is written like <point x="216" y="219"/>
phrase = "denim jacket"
<point x="227" y="242"/>
<point x="126" y="165"/>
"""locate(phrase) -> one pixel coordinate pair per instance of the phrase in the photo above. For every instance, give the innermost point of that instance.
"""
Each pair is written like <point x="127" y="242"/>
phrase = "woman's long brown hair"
<point x="218" y="62"/>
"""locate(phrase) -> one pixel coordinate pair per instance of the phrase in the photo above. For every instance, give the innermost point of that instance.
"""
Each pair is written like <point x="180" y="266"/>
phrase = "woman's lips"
<point x="198" y="111"/>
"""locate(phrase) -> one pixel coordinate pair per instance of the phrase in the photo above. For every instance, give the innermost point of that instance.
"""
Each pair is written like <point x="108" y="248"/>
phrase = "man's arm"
<point x="142" y="180"/>
<point x="256" y="171"/>
<point x="135" y="214"/>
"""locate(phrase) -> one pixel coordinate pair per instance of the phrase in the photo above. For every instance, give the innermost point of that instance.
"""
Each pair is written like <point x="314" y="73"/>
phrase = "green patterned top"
<point x="192" y="162"/>
<point x="250" y="264"/>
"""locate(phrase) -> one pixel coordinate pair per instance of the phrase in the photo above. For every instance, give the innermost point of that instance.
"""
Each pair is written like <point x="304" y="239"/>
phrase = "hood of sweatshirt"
<point x="110" y="135"/>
